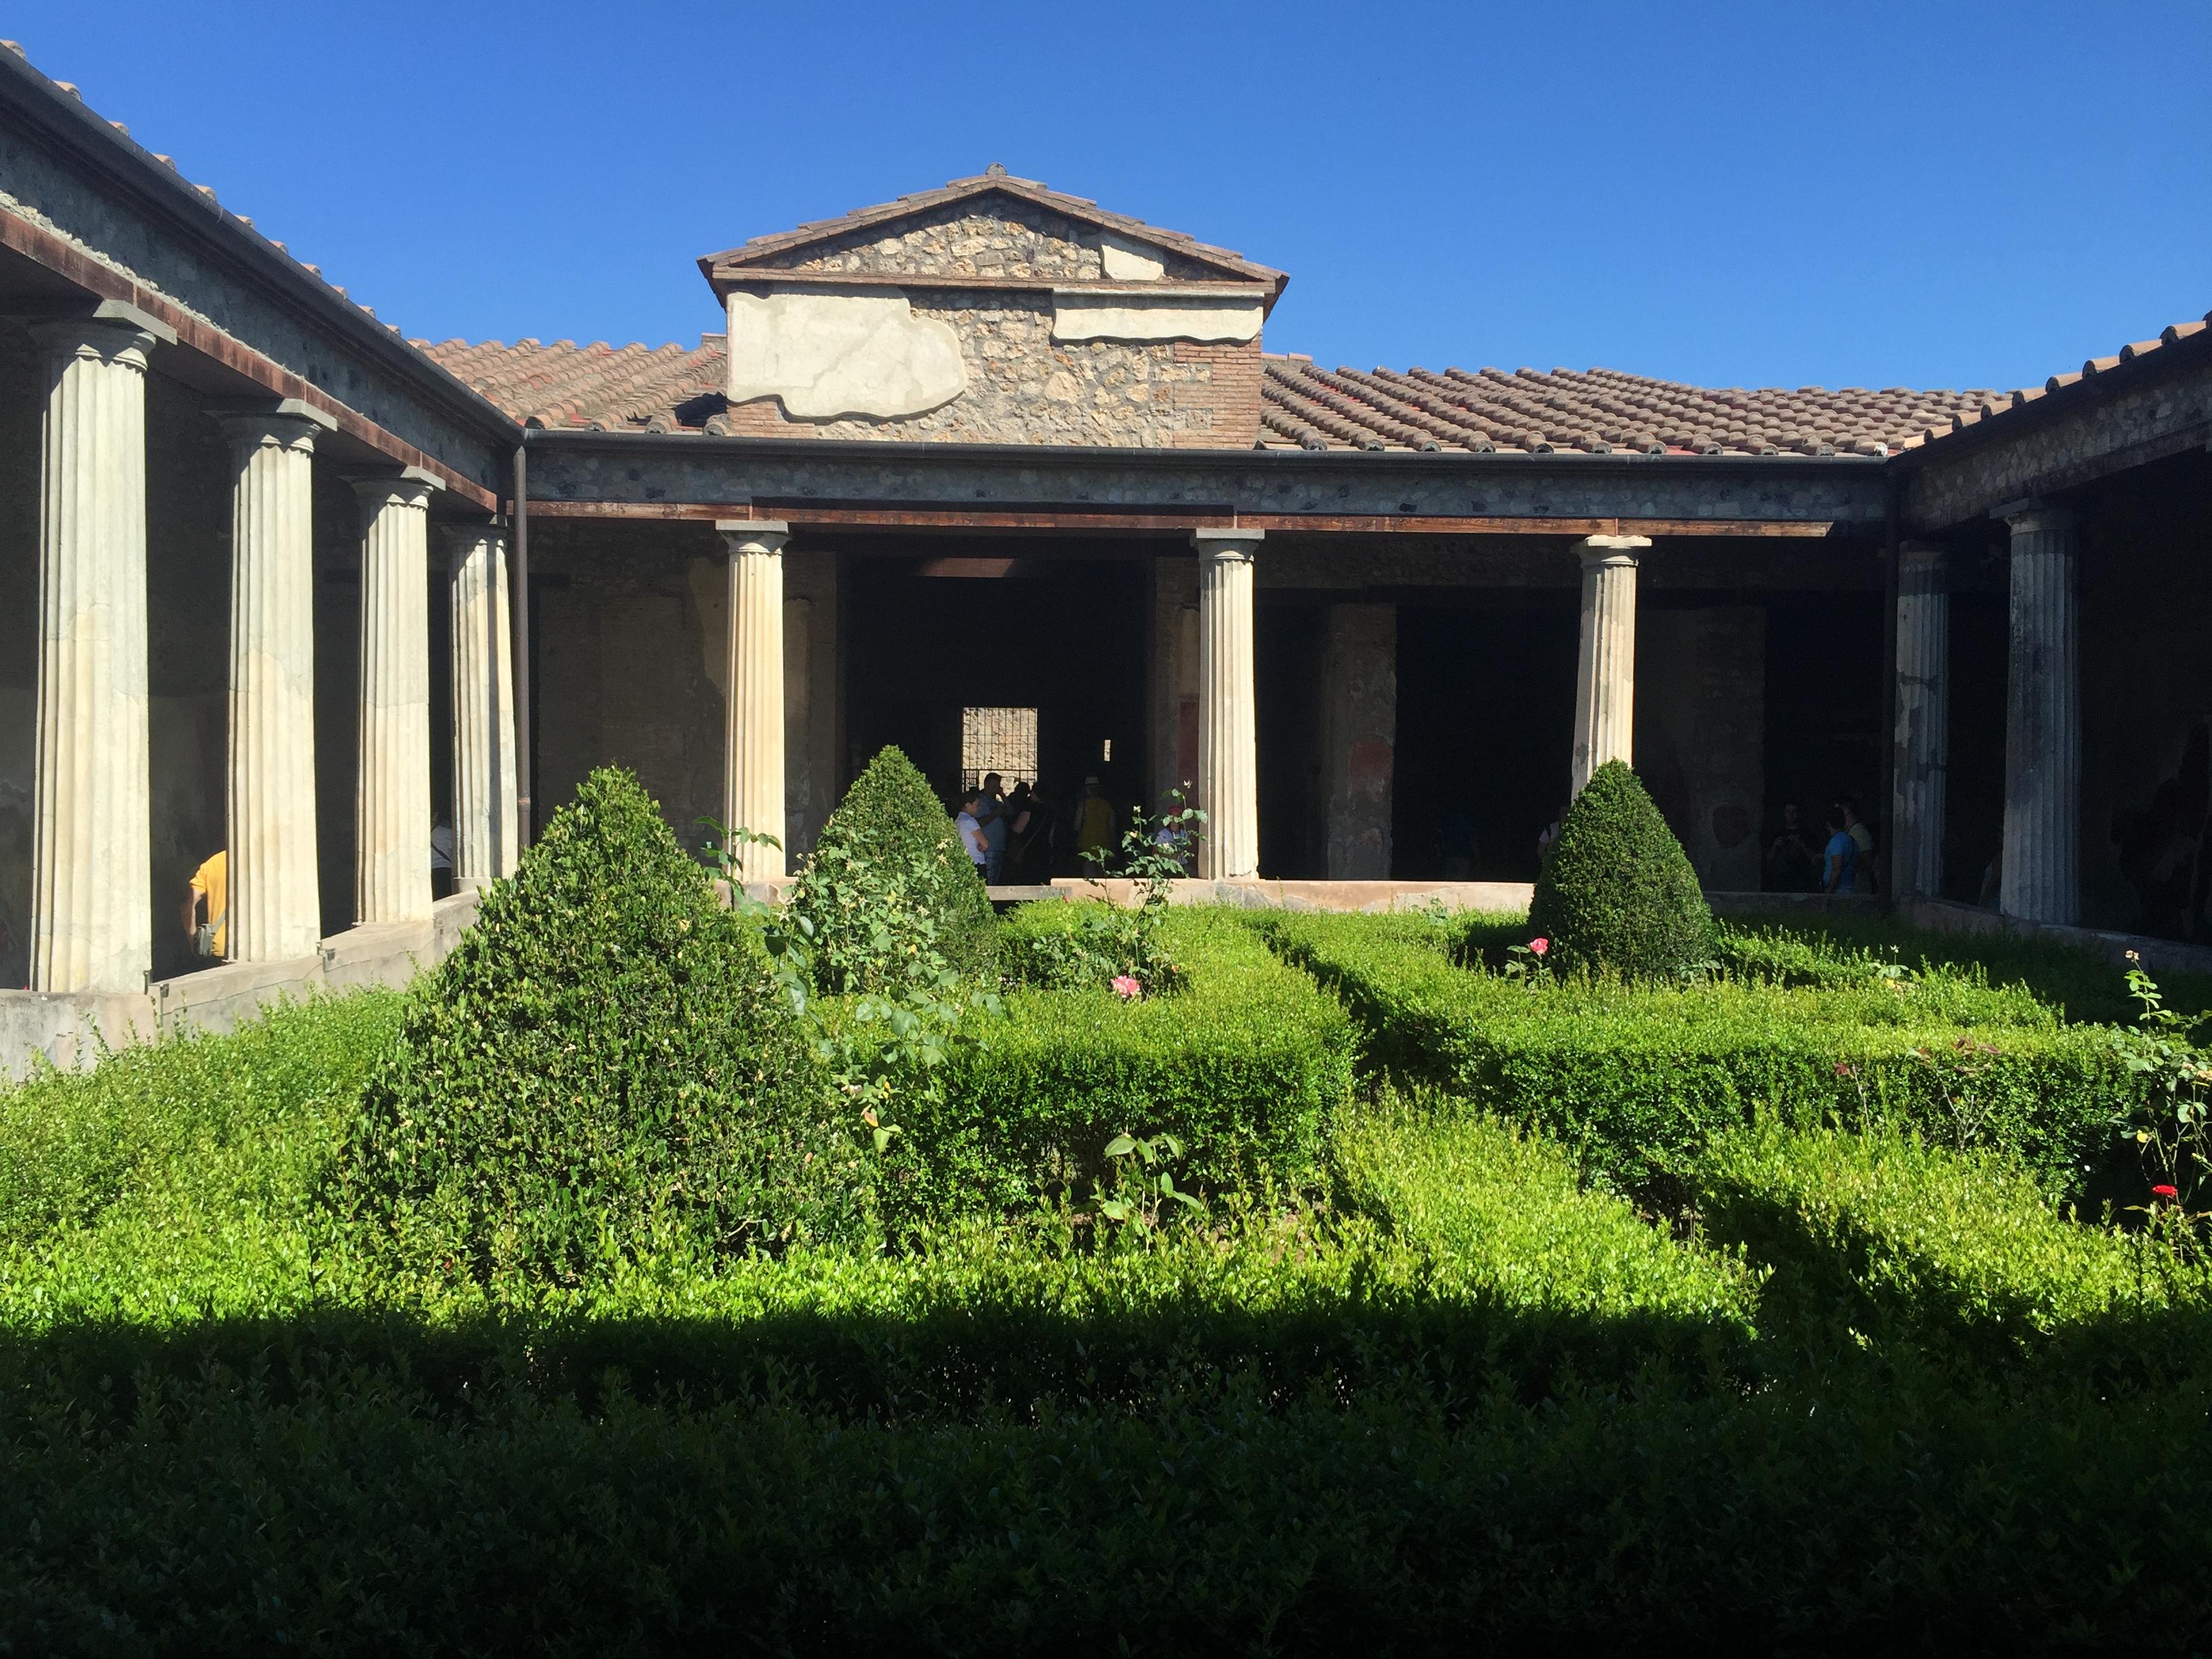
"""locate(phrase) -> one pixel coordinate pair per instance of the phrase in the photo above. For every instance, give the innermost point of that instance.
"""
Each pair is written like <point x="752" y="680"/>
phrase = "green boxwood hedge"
<point x="1246" y="1065"/>
<point x="1641" y="1078"/>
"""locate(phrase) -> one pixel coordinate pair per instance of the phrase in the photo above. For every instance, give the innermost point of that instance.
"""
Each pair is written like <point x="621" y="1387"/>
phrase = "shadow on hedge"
<point x="949" y="1364"/>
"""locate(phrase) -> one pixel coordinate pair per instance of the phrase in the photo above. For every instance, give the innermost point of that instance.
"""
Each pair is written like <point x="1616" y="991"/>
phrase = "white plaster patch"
<point x="1175" y="314"/>
<point x="826" y="355"/>
<point x="1129" y="262"/>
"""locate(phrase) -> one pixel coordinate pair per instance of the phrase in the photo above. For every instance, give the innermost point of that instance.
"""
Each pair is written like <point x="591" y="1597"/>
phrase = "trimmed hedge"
<point x="1617" y="892"/>
<point x="891" y="822"/>
<point x="1247" y="1064"/>
<point x="1641" y="1079"/>
<point x="603" y="1067"/>
<point x="1959" y="1254"/>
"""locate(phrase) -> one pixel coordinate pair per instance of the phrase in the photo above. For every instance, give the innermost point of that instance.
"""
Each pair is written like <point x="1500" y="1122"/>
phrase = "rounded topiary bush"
<point x="604" y="1067"/>
<point x="1618" y="892"/>
<point x="889" y="850"/>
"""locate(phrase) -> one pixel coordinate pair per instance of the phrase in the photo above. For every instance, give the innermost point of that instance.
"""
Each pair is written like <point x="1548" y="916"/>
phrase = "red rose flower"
<point x="2163" y="1191"/>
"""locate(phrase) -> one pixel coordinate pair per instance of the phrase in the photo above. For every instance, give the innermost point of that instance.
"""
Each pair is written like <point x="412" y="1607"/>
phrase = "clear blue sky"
<point x="1933" y="194"/>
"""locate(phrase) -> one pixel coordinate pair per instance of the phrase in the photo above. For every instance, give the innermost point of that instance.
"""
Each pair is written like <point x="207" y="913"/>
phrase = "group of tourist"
<point x="1023" y="838"/>
<point x="1844" y="864"/>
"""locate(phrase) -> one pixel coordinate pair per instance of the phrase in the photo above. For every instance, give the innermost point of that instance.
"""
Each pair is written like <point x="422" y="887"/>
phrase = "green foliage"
<point x="73" y="1143"/>
<point x="1245" y="1066"/>
<point x="1883" y="1235"/>
<point x="602" y="1068"/>
<point x="888" y="861"/>
<point x="1409" y="1383"/>
<point x="2171" y="1127"/>
<point x="1639" y="1078"/>
<point x="1502" y="1216"/>
<point x="1617" y="891"/>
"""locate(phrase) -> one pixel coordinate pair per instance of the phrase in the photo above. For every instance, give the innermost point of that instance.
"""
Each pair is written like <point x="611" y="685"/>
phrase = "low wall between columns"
<point x="69" y="1030"/>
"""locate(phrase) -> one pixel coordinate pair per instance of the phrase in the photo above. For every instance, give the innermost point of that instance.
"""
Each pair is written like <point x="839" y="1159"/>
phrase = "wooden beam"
<point x="1155" y="522"/>
<point x="74" y="266"/>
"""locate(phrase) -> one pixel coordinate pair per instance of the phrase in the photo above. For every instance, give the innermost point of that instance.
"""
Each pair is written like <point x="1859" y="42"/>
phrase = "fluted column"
<point x="485" y="837"/>
<point x="2043" y="722"/>
<point x="1923" y="714"/>
<point x="1605" y="665"/>
<point x="753" y="770"/>
<point x="1228" y="729"/>
<point x="392" y="810"/>
<point x="269" y="789"/>
<point x="91" y="911"/>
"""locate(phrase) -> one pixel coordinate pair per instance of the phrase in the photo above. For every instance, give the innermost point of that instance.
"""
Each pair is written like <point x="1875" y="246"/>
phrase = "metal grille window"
<point x="1001" y="740"/>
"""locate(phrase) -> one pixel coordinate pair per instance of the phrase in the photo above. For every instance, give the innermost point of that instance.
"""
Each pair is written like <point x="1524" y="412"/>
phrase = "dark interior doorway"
<point x="1486" y="715"/>
<point x="1001" y="626"/>
<point x="1824" y="708"/>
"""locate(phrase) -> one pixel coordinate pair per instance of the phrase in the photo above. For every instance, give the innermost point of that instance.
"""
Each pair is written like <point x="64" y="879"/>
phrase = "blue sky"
<point x="1933" y="194"/>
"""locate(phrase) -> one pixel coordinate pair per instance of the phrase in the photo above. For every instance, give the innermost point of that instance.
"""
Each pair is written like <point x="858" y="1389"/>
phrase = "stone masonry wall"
<point x="1014" y="239"/>
<point x="1023" y="386"/>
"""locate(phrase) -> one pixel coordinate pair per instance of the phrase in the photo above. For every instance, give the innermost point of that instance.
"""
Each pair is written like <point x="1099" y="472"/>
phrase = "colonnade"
<point x="92" y="925"/>
<point x="1228" y="789"/>
<point x="2040" y="865"/>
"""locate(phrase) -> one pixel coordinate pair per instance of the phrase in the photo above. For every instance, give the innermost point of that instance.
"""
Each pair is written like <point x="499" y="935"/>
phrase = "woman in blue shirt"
<point x="1842" y="861"/>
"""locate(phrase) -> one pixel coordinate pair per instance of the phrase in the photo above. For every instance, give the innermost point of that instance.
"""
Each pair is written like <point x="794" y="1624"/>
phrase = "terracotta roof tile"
<point x="1598" y="411"/>
<point x="595" y="387"/>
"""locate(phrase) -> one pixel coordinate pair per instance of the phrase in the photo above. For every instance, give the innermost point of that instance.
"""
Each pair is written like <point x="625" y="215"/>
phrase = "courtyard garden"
<point x="659" y="1272"/>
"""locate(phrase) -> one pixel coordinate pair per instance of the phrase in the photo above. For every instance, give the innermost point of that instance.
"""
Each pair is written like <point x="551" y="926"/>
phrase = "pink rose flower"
<point x="1538" y="946"/>
<point x="1127" y="988"/>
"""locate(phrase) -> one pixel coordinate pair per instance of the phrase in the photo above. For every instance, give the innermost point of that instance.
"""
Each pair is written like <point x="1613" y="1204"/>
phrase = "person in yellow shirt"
<point x="210" y="886"/>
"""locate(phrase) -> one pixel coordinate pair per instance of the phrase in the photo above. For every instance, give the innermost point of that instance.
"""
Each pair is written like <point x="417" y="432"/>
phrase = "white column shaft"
<point x="275" y="906"/>
<point x="484" y="834"/>
<point x="91" y="909"/>
<point x="2043" y="724"/>
<point x="753" y="770"/>
<point x="1605" y="664"/>
<point x="1228" y="729"/>
<point x="1923" y="714"/>
<point x="391" y="816"/>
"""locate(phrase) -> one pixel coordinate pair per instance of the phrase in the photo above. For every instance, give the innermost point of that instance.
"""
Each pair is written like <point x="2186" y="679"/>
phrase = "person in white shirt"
<point x="971" y="830"/>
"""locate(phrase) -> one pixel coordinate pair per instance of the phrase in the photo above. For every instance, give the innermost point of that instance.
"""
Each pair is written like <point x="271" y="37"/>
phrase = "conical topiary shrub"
<point x="1618" y="891"/>
<point x="891" y="833"/>
<point x="602" y="1067"/>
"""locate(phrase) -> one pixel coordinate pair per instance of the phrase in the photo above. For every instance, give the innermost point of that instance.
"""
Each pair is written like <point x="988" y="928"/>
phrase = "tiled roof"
<point x="1587" y="411"/>
<point x="1996" y="404"/>
<point x="595" y="387"/>
<point x="1081" y="208"/>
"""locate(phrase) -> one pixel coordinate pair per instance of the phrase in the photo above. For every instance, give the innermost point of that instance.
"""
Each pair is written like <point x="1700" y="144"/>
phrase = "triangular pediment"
<point x="991" y="230"/>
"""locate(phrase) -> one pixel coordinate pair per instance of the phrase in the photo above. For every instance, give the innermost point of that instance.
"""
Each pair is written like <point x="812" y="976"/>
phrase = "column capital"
<point x="287" y="423"/>
<point x="409" y="486"/>
<point x="1612" y="550"/>
<point x="1921" y="567"/>
<point x="753" y="535"/>
<point x="110" y="328"/>
<point x="461" y="540"/>
<point x="1239" y="544"/>
<point x="2035" y="517"/>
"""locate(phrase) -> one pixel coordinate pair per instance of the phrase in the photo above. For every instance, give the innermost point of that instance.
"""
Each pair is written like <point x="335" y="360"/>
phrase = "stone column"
<point x="486" y="832"/>
<point x="753" y="752"/>
<point x="1605" y="668"/>
<point x="1228" y="732"/>
<point x="2043" y="722"/>
<point x="268" y="791"/>
<point x="392" y="810"/>
<point x="1924" y="714"/>
<point x="91" y="916"/>
<point x="1359" y="736"/>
